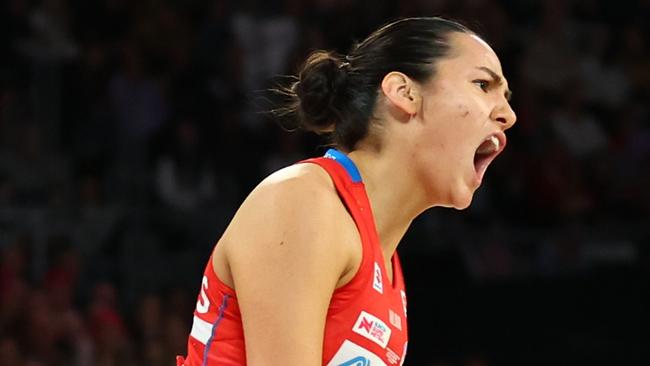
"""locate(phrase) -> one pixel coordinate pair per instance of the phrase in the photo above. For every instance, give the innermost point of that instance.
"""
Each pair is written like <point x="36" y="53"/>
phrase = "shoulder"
<point x="303" y="178"/>
<point x="298" y="203"/>
<point x="295" y="221"/>
<point x="301" y="195"/>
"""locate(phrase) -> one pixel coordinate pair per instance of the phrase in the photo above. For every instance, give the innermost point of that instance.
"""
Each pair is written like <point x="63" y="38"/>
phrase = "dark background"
<point x="131" y="130"/>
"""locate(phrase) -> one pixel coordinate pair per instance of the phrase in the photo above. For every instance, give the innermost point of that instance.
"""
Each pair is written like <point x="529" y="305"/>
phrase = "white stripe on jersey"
<point x="201" y="330"/>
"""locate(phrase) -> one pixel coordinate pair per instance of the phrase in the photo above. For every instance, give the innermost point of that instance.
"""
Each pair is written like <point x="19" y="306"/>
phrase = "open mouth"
<point x="487" y="151"/>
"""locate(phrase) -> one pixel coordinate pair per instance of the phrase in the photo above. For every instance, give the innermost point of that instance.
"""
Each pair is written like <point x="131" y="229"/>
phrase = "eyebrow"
<point x="498" y="79"/>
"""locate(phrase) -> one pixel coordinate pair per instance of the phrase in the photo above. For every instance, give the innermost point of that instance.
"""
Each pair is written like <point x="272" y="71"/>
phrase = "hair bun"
<point x="320" y="91"/>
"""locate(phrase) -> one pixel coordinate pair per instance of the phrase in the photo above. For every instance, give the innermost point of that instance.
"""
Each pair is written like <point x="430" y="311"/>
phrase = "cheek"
<point x="447" y="128"/>
<point x="463" y="110"/>
<point x="470" y="118"/>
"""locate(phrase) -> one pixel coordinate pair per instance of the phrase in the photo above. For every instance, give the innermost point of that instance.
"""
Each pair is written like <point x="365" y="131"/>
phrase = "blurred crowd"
<point x="131" y="130"/>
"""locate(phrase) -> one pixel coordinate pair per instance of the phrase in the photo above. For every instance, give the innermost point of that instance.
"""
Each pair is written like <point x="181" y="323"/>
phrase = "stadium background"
<point x="131" y="130"/>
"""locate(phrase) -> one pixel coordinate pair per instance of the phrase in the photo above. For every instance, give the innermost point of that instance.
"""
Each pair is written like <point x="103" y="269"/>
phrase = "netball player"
<point x="306" y="273"/>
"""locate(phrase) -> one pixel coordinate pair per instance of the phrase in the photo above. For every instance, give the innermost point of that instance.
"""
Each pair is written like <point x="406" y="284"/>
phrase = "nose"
<point x="504" y="114"/>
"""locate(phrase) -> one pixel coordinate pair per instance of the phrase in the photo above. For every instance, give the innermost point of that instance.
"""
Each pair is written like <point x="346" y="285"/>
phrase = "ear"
<point x="401" y="91"/>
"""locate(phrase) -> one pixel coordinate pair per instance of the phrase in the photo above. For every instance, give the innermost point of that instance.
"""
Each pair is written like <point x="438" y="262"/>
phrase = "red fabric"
<point x="180" y="360"/>
<point x="366" y="320"/>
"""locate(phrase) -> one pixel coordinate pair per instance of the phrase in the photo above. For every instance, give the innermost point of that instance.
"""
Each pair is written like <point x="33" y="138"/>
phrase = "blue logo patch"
<point x="357" y="361"/>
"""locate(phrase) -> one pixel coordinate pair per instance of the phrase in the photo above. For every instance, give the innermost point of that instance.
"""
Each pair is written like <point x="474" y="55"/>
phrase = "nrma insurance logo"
<point x="372" y="328"/>
<point x="351" y="354"/>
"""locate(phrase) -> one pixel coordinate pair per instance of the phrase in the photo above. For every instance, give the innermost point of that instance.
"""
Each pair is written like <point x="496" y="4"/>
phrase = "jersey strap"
<point x="347" y="163"/>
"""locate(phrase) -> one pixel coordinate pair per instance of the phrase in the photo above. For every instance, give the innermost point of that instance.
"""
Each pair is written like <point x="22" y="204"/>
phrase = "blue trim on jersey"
<point x="347" y="163"/>
<point x="222" y="309"/>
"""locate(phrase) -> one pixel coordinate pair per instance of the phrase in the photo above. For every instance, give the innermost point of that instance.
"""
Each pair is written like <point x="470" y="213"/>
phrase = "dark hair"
<point x="336" y="94"/>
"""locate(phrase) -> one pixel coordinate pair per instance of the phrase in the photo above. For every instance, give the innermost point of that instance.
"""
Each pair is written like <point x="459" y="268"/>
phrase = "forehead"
<point x="469" y="50"/>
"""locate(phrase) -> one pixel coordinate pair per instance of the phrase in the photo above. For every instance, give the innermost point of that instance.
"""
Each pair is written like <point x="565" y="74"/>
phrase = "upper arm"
<point x="286" y="256"/>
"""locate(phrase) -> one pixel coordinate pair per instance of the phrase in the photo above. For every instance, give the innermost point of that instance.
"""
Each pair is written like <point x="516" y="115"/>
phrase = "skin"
<point x="284" y="274"/>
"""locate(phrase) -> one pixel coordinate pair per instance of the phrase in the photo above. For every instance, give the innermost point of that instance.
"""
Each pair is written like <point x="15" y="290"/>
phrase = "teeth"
<point x="490" y="145"/>
<point x="495" y="141"/>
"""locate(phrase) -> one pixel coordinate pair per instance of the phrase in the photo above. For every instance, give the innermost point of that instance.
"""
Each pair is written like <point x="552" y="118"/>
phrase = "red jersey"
<point x="366" y="319"/>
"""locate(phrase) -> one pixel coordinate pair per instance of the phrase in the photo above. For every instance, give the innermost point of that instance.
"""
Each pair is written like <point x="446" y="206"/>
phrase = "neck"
<point x="392" y="194"/>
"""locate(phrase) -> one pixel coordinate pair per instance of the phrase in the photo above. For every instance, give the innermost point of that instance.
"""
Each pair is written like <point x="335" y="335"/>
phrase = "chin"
<point x="458" y="203"/>
<point x="462" y="200"/>
<point x="458" y="198"/>
<point x="463" y="205"/>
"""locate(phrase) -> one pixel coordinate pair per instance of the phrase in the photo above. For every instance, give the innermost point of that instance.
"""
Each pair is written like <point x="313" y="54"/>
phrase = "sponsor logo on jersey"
<point x="377" y="283"/>
<point x="403" y="300"/>
<point x="351" y="354"/>
<point x="392" y="357"/>
<point x="395" y="319"/>
<point x="372" y="328"/>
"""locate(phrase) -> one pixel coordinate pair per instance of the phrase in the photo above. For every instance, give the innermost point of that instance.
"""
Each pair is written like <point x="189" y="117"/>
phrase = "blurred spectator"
<point x="140" y="108"/>
<point x="150" y="318"/>
<point x="14" y="263"/>
<point x="550" y="60"/>
<point x="35" y="175"/>
<point x="51" y="39"/>
<point x="96" y="218"/>
<point x="185" y="179"/>
<point x="14" y="277"/>
<point x="635" y="55"/>
<point x="107" y="328"/>
<point x="48" y="47"/>
<point x="10" y="354"/>
<point x="269" y="37"/>
<point x="601" y="72"/>
<point x="578" y="131"/>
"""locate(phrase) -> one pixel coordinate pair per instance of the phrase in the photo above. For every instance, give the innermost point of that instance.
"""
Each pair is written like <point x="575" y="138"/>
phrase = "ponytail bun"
<point x="320" y="92"/>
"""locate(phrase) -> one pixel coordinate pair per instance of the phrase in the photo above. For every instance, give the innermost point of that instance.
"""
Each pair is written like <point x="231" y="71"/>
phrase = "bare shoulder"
<point x="298" y="195"/>
<point x="293" y="213"/>
<point x="298" y="179"/>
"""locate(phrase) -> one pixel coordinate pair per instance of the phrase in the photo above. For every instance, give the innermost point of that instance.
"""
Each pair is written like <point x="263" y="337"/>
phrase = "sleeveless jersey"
<point x="366" y="318"/>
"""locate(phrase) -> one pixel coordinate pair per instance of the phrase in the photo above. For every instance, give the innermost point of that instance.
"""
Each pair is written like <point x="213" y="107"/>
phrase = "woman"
<point x="306" y="273"/>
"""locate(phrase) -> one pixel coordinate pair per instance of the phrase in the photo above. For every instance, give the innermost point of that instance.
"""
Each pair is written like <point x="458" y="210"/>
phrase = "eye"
<point x="483" y="84"/>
